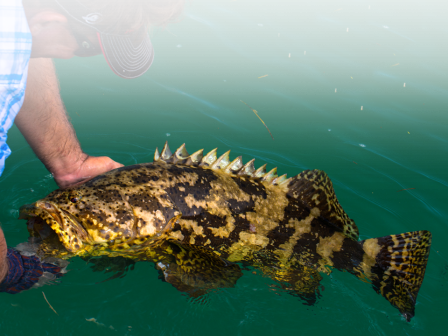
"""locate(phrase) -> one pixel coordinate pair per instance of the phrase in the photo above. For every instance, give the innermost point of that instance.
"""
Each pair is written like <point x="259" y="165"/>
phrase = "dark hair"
<point x="128" y="13"/>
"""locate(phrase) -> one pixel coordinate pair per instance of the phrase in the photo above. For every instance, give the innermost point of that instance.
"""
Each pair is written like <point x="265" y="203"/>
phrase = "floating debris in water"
<point x="395" y="64"/>
<point x="362" y="145"/>
<point x="289" y="55"/>
<point x="405" y="189"/>
<point x="362" y="108"/>
<point x="354" y="162"/>
<point x="168" y="134"/>
<point x="50" y="304"/>
<point x="347" y="30"/>
<point x="98" y="323"/>
<point x="304" y="52"/>
<point x="409" y="133"/>
<point x="335" y="90"/>
<point x="256" y="113"/>
<point x="263" y="76"/>
<point x="329" y="130"/>
<point x="404" y="85"/>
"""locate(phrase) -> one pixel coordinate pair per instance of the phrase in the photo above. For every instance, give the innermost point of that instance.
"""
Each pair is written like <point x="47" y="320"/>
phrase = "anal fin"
<point x="195" y="270"/>
<point x="303" y="282"/>
<point x="295" y="278"/>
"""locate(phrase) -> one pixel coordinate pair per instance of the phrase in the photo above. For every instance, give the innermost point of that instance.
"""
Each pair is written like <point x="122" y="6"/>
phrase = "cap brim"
<point x="127" y="57"/>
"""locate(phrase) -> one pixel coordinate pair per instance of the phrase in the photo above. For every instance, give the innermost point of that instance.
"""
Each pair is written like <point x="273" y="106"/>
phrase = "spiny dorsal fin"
<point x="180" y="155"/>
<point x="260" y="172"/>
<point x="247" y="169"/>
<point x="280" y="180"/>
<point x="156" y="155"/>
<point x="195" y="158"/>
<point x="166" y="154"/>
<point x="235" y="165"/>
<point x="209" y="158"/>
<point x="314" y="189"/>
<point x="223" y="163"/>
<point x="272" y="174"/>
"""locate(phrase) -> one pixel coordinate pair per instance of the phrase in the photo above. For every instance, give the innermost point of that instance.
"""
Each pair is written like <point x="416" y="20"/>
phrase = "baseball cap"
<point x="129" y="54"/>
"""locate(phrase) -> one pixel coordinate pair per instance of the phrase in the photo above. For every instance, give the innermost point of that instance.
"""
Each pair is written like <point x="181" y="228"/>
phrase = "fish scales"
<point x="195" y="216"/>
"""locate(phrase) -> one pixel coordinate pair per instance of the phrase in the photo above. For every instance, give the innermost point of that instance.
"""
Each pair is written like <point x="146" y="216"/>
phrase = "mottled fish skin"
<point x="235" y="216"/>
<point x="233" y="210"/>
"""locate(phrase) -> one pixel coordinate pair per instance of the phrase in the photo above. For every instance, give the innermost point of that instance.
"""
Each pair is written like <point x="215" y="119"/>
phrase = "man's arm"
<point x="44" y="124"/>
<point x="3" y="260"/>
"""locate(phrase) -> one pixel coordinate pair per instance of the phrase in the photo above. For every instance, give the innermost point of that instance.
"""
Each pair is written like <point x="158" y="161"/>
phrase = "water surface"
<point x="355" y="88"/>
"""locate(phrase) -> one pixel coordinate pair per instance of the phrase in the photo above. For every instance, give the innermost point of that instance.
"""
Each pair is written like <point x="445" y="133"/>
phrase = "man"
<point x="32" y="32"/>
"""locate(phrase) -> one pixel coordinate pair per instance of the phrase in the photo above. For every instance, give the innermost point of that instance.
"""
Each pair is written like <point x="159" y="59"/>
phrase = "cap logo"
<point x="92" y="18"/>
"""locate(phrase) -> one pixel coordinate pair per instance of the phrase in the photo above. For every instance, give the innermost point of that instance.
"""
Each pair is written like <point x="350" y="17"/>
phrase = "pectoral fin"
<point x="195" y="270"/>
<point x="118" y="266"/>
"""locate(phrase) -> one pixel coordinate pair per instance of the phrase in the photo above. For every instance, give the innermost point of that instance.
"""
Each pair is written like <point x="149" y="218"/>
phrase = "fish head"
<point x="91" y="217"/>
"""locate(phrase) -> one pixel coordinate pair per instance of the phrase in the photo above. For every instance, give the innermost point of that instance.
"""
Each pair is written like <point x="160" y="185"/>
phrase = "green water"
<point x="391" y="61"/>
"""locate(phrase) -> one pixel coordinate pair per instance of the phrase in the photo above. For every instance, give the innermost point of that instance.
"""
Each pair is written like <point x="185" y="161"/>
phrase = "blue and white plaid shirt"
<point x="15" y="50"/>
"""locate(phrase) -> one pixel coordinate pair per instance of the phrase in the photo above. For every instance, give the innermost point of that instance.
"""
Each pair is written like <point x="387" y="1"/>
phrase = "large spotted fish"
<point x="199" y="217"/>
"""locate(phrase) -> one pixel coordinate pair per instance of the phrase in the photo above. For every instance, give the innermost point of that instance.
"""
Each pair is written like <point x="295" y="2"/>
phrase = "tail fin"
<point x="396" y="266"/>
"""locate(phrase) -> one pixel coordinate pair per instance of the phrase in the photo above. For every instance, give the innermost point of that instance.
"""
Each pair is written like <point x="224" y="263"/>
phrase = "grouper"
<point x="200" y="219"/>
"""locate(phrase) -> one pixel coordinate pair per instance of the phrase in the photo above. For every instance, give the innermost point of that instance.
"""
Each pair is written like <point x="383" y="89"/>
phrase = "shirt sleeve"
<point x="24" y="272"/>
<point x="15" y="51"/>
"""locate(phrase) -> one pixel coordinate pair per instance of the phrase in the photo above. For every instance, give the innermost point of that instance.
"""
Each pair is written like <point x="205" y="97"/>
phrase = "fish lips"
<point x="69" y="231"/>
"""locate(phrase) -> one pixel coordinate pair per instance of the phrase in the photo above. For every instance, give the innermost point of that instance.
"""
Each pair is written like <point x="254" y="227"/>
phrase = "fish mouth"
<point x="47" y="221"/>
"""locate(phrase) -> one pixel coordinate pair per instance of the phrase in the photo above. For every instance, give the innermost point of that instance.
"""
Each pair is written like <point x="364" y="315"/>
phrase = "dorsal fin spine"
<point x="271" y="175"/>
<point x="195" y="158"/>
<point x="181" y="153"/>
<point x="260" y="172"/>
<point x="247" y="169"/>
<point x="166" y="153"/>
<point x="156" y="155"/>
<point x="222" y="162"/>
<point x="285" y="181"/>
<point x="279" y="180"/>
<point x="208" y="159"/>
<point x="235" y="165"/>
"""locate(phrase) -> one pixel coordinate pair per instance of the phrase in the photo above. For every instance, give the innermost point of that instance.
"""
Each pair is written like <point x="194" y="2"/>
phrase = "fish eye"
<point x="74" y="197"/>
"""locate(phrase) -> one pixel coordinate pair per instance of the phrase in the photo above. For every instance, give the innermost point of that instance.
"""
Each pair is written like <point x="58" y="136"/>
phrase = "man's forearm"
<point x="43" y="122"/>
<point x="3" y="259"/>
<point x="45" y="126"/>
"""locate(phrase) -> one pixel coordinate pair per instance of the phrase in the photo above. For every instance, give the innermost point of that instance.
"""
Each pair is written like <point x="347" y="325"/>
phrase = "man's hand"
<point x="87" y="168"/>
<point x="45" y="126"/>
